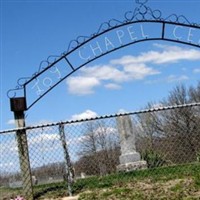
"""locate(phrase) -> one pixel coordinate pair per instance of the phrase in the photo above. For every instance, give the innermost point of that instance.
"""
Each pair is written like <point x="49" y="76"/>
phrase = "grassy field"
<point x="177" y="182"/>
<point x="170" y="183"/>
<point x="8" y="193"/>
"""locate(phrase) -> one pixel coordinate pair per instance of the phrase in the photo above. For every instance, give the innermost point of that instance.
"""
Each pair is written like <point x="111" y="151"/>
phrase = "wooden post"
<point x="18" y="106"/>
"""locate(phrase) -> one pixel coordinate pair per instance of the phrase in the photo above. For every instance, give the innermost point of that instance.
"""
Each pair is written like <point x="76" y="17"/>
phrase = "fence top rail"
<point x="153" y="109"/>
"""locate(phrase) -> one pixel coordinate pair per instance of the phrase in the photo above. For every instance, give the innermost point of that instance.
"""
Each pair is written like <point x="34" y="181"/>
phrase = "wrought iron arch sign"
<point x="136" y="27"/>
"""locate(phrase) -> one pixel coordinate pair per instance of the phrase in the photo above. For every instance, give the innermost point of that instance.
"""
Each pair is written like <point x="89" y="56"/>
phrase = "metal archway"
<point x="174" y="28"/>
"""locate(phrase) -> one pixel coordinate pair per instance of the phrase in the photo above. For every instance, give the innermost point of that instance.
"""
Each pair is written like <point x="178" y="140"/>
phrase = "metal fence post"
<point x="18" y="106"/>
<point x="68" y="165"/>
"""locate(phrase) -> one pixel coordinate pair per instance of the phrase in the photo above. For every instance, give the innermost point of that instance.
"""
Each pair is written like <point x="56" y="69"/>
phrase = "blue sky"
<point x="124" y="80"/>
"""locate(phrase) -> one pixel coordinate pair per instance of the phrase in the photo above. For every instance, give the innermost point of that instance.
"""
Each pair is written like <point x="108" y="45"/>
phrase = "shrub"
<point x="153" y="159"/>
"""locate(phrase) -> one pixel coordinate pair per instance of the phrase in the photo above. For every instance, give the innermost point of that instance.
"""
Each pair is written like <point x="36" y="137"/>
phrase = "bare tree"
<point x="174" y="132"/>
<point x="149" y="126"/>
<point x="181" y="125"/>
<point x="100" y="149"/>
<point x="194" y="93"/>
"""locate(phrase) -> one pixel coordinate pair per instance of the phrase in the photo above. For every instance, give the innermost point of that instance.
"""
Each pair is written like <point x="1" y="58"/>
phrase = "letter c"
<point x="174" y="32"/>
<point x="82" y="56"/>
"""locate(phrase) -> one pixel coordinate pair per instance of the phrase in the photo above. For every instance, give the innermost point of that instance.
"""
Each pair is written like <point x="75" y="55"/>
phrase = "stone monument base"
<point x="129" y="157"/>
<point x="131" y="161"/>
<point x="131" y="166"/>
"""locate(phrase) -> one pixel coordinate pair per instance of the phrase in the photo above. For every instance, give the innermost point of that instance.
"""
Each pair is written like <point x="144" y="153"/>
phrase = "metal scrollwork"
<point x="22" y="81"/>
<point x="43" y="65"/>
<point x="141" y="13"/>
<point x="13" y="92"/>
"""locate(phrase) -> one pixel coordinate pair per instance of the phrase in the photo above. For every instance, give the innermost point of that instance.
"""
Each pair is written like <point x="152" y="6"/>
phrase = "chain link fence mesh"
<point x="62" y="155"/>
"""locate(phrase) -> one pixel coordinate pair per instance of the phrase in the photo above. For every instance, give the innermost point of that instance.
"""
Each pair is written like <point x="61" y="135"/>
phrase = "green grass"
<point x="127" y="185"/>
<point x="174" y="183"/>
<point x="51" y="190"/>
<point x="156" y="174"/>
<point x="8" y="193"/>
<point x="170" y="183"/>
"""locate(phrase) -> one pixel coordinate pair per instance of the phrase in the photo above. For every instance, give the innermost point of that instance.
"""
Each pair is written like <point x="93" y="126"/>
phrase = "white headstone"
<point x="129" y="158"/>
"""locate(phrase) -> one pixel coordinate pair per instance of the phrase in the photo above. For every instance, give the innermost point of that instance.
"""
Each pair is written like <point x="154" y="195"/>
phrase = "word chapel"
<point x="130" y="34"/>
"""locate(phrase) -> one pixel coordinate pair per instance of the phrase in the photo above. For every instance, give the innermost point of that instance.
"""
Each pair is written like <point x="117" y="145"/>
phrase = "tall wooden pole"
<point x="18" y="106"/>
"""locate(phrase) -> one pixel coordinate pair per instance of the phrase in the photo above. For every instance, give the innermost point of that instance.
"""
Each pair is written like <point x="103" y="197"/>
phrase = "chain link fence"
<point x="62" y="155"/>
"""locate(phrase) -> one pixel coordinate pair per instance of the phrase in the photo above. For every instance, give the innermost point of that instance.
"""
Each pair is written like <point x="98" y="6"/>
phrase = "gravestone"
<point x="83" y="175"/>
<point x="129" y="159"/>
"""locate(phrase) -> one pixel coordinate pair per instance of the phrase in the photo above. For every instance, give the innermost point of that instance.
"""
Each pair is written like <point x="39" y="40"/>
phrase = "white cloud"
<point x="197" y="70"/>
<point x="6" y="165"/>
<point x="8" y="146"/>
<point x="11" y="122"/>
<point x="92" y="77"/>
<point x="139" y="71"/>
<point x="104" y="72"/>
<point x="169" y="79"/>
<point x="122" y="111"/>
<point x="84" y="115"/>
<point x="112" y="86"/>
<point x="170" y="54"/>
<point x="81" y="85"/>
<point x="178" y="55"/>
<point x="174" y="78"/>
<point x="43" y="138"/>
